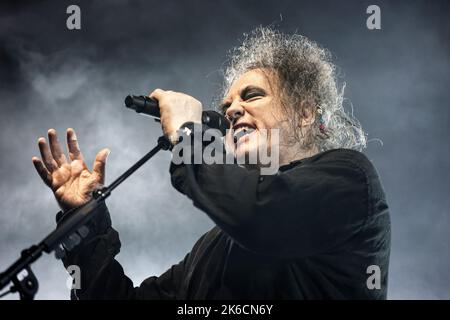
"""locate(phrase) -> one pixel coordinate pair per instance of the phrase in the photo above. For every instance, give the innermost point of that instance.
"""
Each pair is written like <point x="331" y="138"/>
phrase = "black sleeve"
<point x="313" y="208"/>
<point x="102" y="277"/>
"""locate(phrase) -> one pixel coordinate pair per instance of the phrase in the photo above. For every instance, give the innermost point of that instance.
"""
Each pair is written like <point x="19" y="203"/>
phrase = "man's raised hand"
<point x="69" y="178"/>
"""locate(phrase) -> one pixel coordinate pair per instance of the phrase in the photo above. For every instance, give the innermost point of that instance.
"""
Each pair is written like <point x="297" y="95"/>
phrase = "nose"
<point x="235" y="111"/>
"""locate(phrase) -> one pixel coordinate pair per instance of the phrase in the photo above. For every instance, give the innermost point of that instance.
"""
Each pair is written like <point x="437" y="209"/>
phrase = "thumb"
<point x="99" y="165"/>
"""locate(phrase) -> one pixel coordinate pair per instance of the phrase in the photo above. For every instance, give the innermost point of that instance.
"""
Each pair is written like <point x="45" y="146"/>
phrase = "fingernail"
<point x="74" y="136"/>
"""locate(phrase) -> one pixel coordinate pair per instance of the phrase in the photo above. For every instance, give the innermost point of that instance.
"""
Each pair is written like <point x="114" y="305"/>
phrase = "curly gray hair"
<point x="306" y="79"/>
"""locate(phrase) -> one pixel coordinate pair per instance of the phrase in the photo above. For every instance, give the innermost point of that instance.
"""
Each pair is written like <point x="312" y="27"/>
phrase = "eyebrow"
<point x="243" y="92"/>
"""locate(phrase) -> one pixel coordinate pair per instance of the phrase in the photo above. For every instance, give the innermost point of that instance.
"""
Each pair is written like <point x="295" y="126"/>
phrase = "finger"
<point x="157" y="94"/>
<point x="72" y="144"/>
<point x="55" y="148"/>
<point x="46" y="155"/>
<point x="42" y="171"/>
<point x="100" y="164"/>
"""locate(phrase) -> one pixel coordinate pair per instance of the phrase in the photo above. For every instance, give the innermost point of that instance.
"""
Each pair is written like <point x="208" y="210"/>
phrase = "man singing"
<point x="318" y="228"/>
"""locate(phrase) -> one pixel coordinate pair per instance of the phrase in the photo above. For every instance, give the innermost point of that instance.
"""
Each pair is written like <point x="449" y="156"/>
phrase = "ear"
<point x="308" y="115"/>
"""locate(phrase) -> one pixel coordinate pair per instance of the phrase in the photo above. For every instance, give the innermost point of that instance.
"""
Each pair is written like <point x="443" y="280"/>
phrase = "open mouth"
<point x="242" y="131"/>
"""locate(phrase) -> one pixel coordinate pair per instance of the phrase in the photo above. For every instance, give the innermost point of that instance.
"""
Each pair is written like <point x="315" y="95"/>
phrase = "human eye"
<point x="253" y="93"/>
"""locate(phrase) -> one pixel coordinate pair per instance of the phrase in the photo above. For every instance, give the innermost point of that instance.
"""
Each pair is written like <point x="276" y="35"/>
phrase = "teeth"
<point x="242" y="131"/>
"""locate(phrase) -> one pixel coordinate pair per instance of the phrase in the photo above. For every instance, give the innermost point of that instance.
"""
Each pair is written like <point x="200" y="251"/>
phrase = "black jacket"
<point x="309" y="232"/>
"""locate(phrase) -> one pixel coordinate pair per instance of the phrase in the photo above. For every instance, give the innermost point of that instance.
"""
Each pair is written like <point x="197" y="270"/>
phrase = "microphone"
<point x="150" y="107"/>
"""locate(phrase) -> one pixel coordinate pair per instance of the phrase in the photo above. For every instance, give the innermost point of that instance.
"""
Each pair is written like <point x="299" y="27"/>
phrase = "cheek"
<point x="270" y="117"/>
<point x="269" y="122"/>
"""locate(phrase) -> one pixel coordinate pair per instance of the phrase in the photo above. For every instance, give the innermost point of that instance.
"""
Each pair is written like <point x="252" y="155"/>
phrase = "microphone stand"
<point x="76" y="218"/>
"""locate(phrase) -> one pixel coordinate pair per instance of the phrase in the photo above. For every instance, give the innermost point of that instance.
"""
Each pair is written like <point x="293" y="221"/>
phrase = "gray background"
<point x="397" y="80"/>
